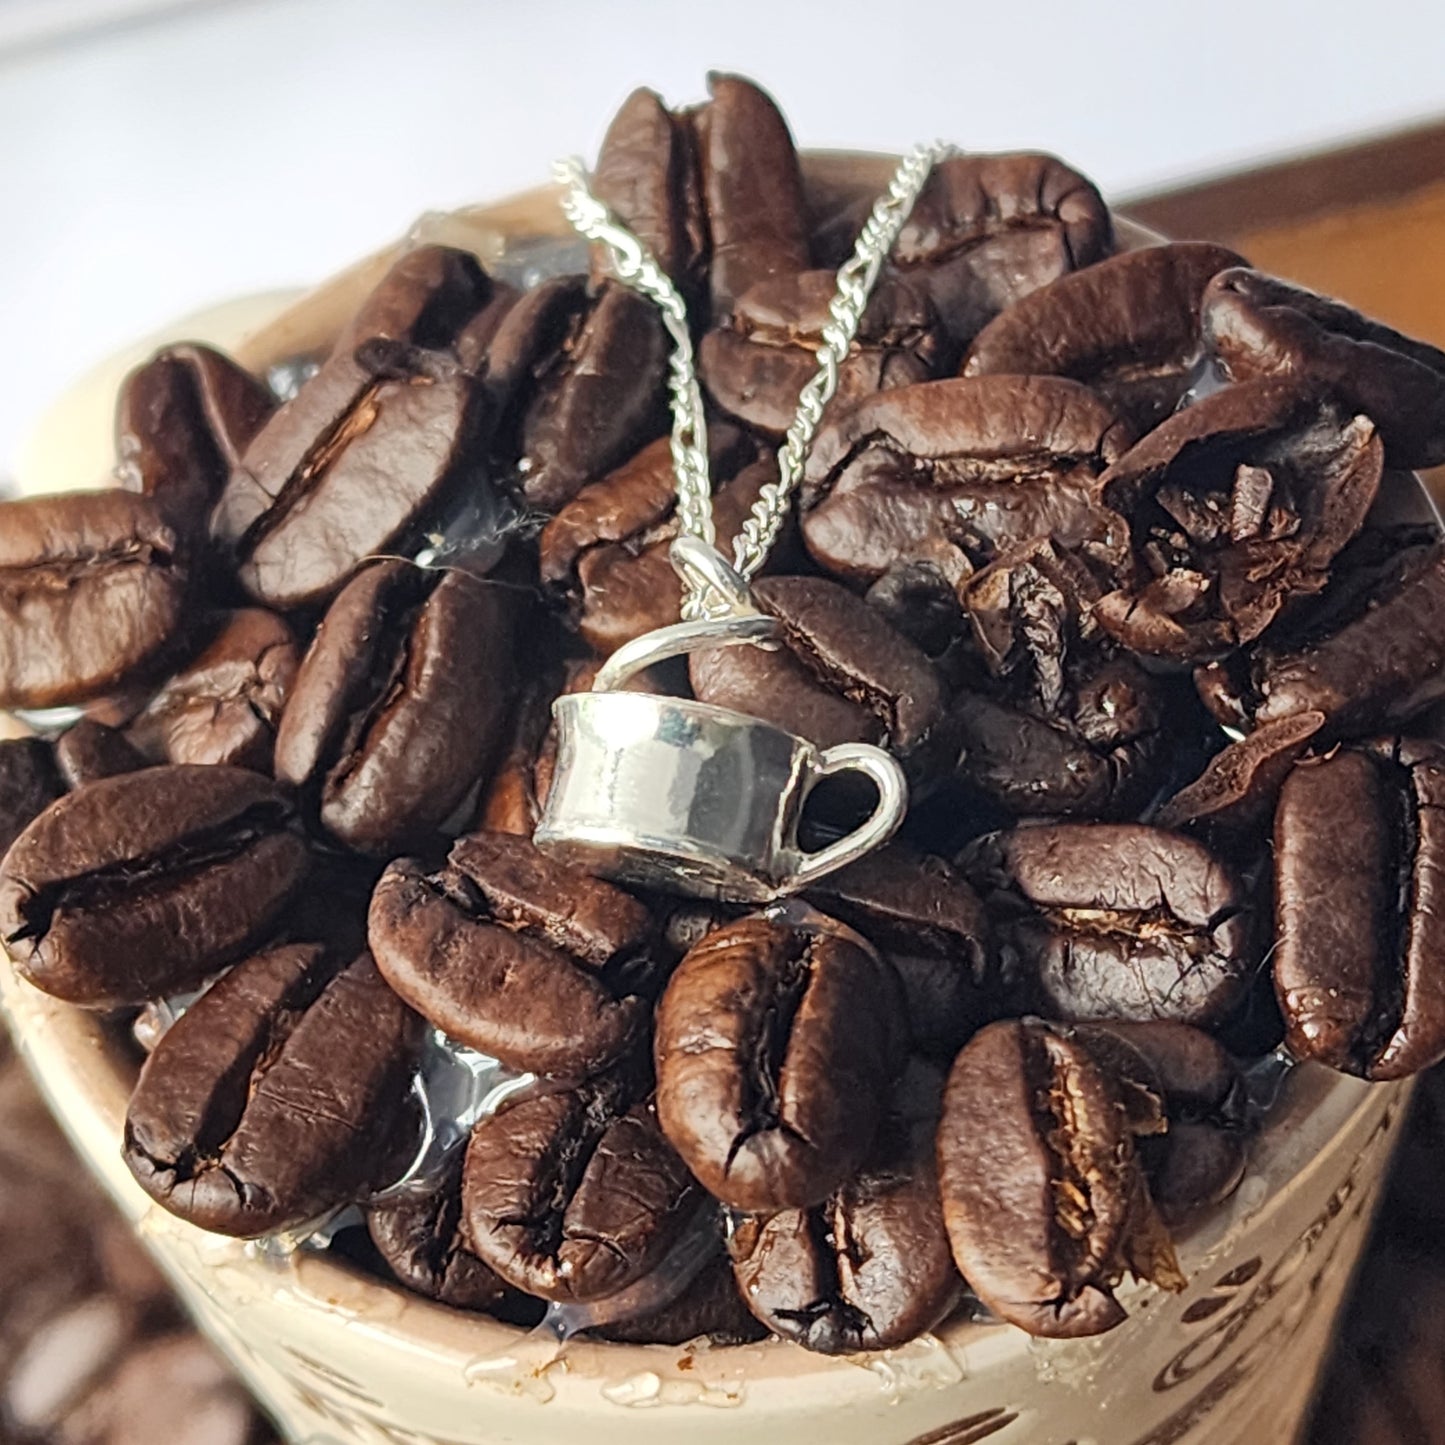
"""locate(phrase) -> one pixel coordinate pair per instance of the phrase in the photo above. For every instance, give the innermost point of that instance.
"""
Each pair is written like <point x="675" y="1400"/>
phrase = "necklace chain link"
<point x="634" y="266"/>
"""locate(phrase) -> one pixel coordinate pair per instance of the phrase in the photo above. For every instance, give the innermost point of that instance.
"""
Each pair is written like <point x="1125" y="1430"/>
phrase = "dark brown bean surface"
<point x="143" y="884"/>
<point x="1260" y="326"/>
<point x="646" y="175"/>
<point x="225" y="704"/>
<point x="279" y="1095"/>
<point x="515" y="955"/>
<point x="752" y="190"/>
<point x="1359" y="848"/>
<point x="955" y="471"/>
<point x="869" y="1268"/>
<point x="399" y="705"/>
<point x="352" y="465"/>
<point x="755" y="365"/>
<point x="844" y="675"/>
<point x="1116" y="920"/>
<point x="709" y="1307"/>
<point x="89" y="751"/>
<point x="183" y="419"/>
<point x="29" y="783"/>
<point x="580" y="379"/>
<point x="923" y="916"/>
<point x="988" y="229"/>
<point x="1239" y="505"/>
<point x="93" y="589"/>
<point x="774" y="1045"/>
<point x="1128" y="328"/>
<point x="1043" y="1196"/>
<point x="575" y="1195"/>
<point x="419" y="1233"/>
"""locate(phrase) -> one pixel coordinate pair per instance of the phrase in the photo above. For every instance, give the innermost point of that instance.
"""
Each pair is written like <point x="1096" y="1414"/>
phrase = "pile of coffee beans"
<point x="1115" y="549"/>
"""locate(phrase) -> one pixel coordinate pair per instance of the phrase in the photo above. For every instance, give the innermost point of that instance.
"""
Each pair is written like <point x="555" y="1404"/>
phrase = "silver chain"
<point x="633" y="265"/>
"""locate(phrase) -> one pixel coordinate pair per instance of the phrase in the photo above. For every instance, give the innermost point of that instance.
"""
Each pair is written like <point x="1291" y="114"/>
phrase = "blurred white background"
<point x="156" y="155"/>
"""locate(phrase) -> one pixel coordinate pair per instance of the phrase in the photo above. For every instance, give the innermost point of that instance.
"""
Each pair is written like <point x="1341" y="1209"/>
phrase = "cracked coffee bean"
<point x="926" y="920"/>
<point x="1044" y="1198"/>
<point x="1359" y="847"/>
<point x="93" y="589"/>
<point x="421" y="1236"/>
<point x="224" y="705"/>
<point x="575" y="1195"/>
<point x="351" y="467"/>
<point x="1238" y="505"/>
<point x="1128" y="328"/>
<point x="280" y="1095"/>
<point x="399" y="705"/>
<point x="1197" y="1159"/>
<point x="516" y="955"/>
<point x="145" y="884"/>
<point x="1370" y="660"/>
<point x="870" y="1267"/>
<point x="1116" y="920"/>
<point x="841" y="675"/>
<point x="183" y="420"/>
<point x="755" y="364"/>
<point x="1258" y="326"/>
<point x="1058" y="722"/>
<point x="987" y="230"/>
<point x="954" y="472"/>
<point x="774" y="1044"/>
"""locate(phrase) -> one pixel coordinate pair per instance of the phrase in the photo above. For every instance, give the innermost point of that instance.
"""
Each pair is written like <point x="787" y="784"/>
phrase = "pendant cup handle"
<point x="886" y="775"/>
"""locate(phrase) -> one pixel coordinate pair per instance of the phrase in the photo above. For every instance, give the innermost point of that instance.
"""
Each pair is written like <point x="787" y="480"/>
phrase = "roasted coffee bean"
<point x="144" y="884"/>
<point x="843" y="674"/>
<point x="354" y="464"/>
<point x="924" y="918"/>
<point x="1359" y="846"/>
<point x="183" y="419"/>
<point x="279" y="1095"/>
<point x="1197" y="1158"/>
<point x="1058" y="722"/>
<point x="1116" y="920"/>
<point x="1128" y="328"/>
<point x="870" y="1267"/>
<point x="579" y="381"/>
<point x="1238" y="505"/>
<point x="1043" y="1196"/>
<point x="574" y="1195"/>
<point x="225" y="704"/>
<point x="646" y="175"/>
<point x="775" y="1044"/>
<point x="92" y="591"/>
<point x="29" y="784"/>
<point x="1258" y="325"/>
<point x="89" y="751"/>
<point x="757" y="362"/>
<point x="756" y="214"/>
<point x="955" y="471"/>
<point x="608" y="547"/>
<point x="1372" y="662"/>
<point x="420" y="1235"/>
<point x="399" y="705"/>
<point x="990" y="229"/>
<point x="515" y="955"/>
<point x="1236" y="792"/>
<point x="709" y="1307"/>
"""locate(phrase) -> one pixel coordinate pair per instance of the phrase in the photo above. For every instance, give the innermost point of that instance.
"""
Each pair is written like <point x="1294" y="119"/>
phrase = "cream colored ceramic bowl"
<point x="341" y="1357"/>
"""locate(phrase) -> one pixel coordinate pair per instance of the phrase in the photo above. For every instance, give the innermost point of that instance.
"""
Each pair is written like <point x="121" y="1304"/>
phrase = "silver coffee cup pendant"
<point x="686" y="797"/>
